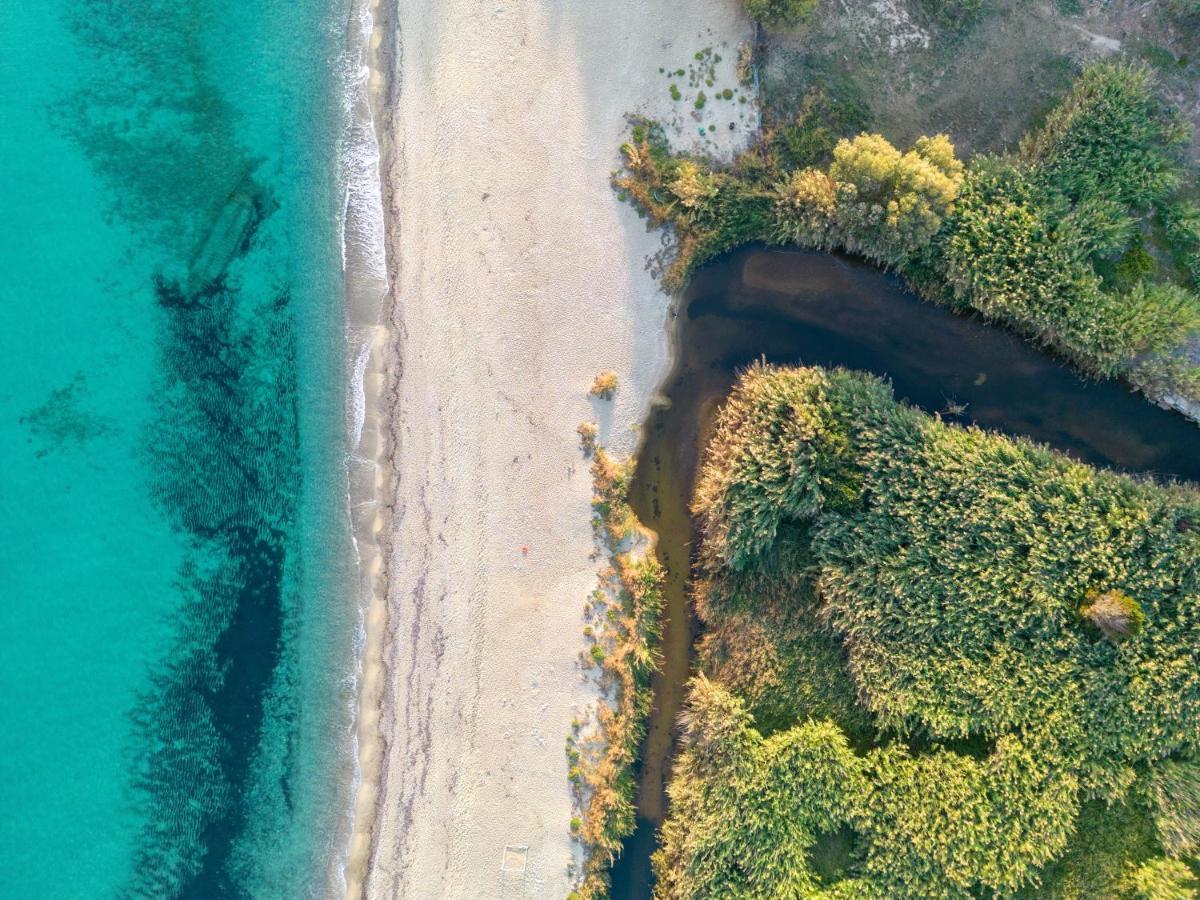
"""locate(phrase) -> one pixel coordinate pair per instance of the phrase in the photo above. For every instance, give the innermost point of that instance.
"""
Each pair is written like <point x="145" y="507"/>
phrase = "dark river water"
<point x="793" y="307"/>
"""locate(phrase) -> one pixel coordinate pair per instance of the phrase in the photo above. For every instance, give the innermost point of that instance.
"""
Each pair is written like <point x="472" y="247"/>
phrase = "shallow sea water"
<point x="176" y="663"/>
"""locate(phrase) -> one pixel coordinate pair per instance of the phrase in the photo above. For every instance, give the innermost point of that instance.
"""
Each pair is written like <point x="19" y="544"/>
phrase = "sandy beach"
<point x="516" y="274"/>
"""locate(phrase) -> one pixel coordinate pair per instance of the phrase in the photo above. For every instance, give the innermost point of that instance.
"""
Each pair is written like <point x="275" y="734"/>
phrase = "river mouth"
<point x="801" y="307"/>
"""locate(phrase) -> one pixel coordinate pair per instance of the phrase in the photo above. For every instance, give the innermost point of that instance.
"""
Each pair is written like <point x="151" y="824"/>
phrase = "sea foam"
<point x="364" y="266"/>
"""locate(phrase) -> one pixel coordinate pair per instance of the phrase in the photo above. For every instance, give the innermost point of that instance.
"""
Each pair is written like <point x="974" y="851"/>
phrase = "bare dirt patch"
<point x="983" y="80"/>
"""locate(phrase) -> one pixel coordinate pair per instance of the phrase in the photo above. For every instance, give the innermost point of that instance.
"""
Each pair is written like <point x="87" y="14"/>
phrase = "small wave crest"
<point x="365" y="274"/>
<point x="364" y="258"/>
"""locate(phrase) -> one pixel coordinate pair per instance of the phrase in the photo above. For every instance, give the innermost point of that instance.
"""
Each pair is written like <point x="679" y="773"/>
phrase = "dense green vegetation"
<point x="1052" y="240"/>
<point x="779" y="12"/>
<point x="940" y="662"/>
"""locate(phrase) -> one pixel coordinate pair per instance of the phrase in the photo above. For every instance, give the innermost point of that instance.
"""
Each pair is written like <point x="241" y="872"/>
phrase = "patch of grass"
<point x="809" y="136"/>
<point x="1134" y="265"/>
<point x="1156" y="55"/>
<point x="779" y="13"/>
<point x="1108" y="841"/>
<point x="953" y="13"/>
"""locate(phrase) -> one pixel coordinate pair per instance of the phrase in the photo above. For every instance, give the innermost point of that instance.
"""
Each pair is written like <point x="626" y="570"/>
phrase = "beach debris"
<point x="514" y="860"/>
<point x="955" y="408"/>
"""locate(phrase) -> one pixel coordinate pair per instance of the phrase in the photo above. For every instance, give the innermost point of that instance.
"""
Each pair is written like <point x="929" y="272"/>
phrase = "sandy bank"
<point x="516" y="275"/>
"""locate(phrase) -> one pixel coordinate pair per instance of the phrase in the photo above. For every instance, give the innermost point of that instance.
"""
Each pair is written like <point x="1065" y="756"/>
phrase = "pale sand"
<point x="517" y="275"/>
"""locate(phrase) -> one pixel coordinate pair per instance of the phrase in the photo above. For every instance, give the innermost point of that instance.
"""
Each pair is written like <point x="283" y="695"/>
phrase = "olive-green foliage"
<point x="1182" y="222"/>
<point x="947" y="825"/>
<point x="1010" y="254"/>
<point x="952" y="569"/>
<point x="740" y="213"/>
<point x="787" y="668"/>
<point x="1110" y="840"/>
<point x="779" y="12"/>
<point x="809" y="136"/>
<point x="746" y="811"/>
<point x="1134" y="266"/>
<point x="795" y="430"/>
<point x="953" y="12"/>
<point x="1111" y="137"/>
<point x="1161" y="879"/>
<point x="957" y="585"/>
<point x="1027" y="234"/>
<point x="1175" y="791"/>
<point x="1187" y="12"/>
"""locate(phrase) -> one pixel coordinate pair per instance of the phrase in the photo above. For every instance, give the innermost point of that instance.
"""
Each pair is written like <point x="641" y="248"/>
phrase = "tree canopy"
<point x="1020" y="630"/>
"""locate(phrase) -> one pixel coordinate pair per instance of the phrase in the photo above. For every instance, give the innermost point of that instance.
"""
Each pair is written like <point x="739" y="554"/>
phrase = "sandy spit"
<point x="516" y="275"/>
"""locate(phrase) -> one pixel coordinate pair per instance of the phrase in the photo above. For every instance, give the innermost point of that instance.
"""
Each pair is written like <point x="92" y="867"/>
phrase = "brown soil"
<point x="984" y="82"/>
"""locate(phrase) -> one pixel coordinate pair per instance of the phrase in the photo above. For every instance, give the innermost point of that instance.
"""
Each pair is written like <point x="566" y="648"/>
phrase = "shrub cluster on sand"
<point x="625" y="633"/>
<point x="1013" y="638"/>
<point x="604" y="385"/>
<point x="1050" y="240"/>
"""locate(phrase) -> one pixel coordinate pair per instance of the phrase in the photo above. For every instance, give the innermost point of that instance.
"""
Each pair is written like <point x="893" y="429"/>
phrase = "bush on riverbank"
<point x="1050" y="240"/>
<point x="626" y="629"/>
<point x="950" y="575"/>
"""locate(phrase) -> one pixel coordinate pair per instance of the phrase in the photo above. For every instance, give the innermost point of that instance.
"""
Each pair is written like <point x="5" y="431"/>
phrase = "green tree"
<point x="889" y="205"/>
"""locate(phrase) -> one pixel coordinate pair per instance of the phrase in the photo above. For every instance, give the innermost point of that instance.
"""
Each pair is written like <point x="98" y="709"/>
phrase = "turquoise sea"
<point x="176" y="674"/>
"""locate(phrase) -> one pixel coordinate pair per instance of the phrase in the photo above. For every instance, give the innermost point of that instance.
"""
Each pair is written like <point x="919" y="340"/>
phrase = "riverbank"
<point x="516" y="275"/>
<point x="789" y="306"/>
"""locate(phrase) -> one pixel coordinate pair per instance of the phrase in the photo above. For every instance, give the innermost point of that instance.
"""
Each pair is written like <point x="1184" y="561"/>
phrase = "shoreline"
<point x="460" y="627"/>
<point x="478" y="538"/>
<point x="370" y="451"/>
